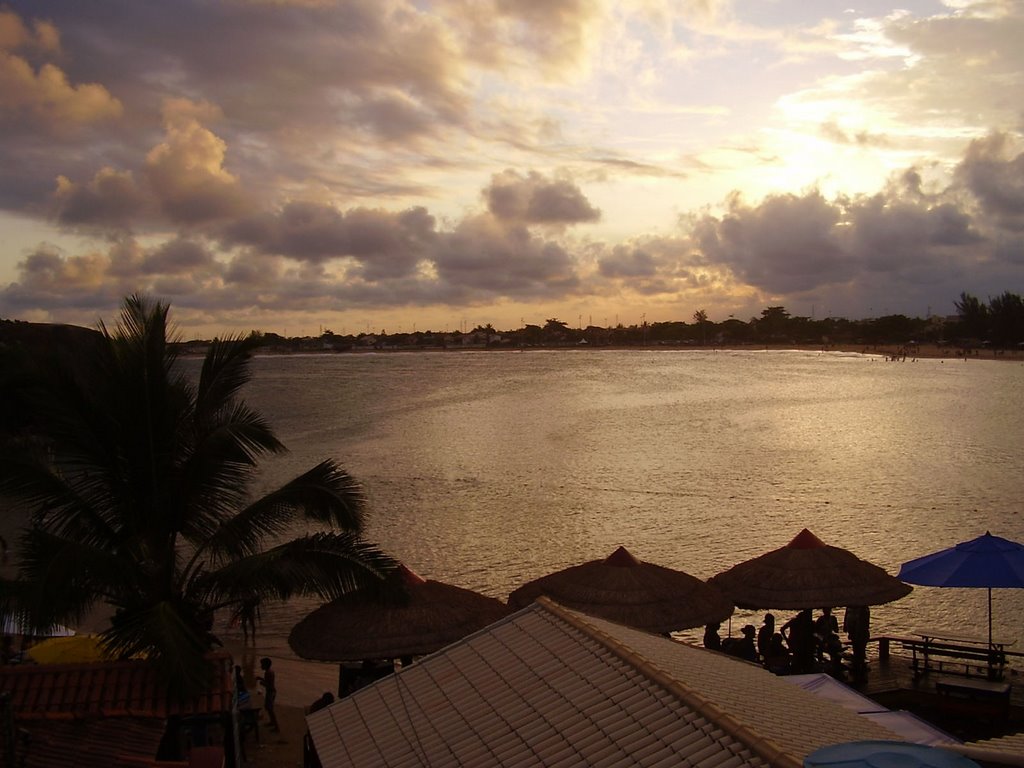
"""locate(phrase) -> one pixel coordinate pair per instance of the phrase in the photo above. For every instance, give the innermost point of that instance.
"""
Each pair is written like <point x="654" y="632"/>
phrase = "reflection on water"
<point x="489" y="469"/>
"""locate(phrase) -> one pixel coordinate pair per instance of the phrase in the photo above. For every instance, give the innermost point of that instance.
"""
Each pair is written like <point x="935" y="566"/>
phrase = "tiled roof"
<point x="1006" y="749"/>
<point x="109" y="689"/>
<point x="551" y="687"/>
<point x="123" y="742"/>
<point x="756" y="701"/>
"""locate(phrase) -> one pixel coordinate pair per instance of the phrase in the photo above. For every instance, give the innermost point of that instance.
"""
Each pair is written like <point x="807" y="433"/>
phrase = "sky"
<point x="294" y="166"/>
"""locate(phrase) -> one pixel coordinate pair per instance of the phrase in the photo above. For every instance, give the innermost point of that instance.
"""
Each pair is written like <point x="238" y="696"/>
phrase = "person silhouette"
<point x="764" y="634"/>
<point x="269" y="683"/>
<point x="712" y="640"/>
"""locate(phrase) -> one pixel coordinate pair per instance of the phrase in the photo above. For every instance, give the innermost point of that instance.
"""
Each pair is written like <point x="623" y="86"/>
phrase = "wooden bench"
<point x="935" y="652"/>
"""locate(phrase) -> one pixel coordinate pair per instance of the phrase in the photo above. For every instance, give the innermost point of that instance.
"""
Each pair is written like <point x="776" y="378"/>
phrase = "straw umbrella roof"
<point x="807" y="573"/>
<point x="625" y="590"/>
<point x="362" y="625"/>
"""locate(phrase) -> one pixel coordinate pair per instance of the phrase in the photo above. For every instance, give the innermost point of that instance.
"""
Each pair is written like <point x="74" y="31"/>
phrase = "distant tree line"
<point x="999" y="323"/>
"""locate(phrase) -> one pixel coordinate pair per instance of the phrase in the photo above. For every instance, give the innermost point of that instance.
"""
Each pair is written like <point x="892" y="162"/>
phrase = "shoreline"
<point x="898" y="351"/>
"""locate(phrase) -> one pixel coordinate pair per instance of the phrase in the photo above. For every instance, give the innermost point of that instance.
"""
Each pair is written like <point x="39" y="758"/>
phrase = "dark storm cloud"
<point x="178" y="257"/>
<point x="628" y="262"/>
<point x="385" y="244"/>
<point x="484" y="254"/>
<point x="891" y="235"/>
<point x="996" y="179"/>
<point x="111" y="199"/>
<point x="534" y="199"/>
<point x="901" y="239"/>
<point x="786" y="243"/>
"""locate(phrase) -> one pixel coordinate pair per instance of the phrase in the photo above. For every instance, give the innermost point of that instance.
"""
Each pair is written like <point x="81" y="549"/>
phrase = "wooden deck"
<point x="892" y="683"/>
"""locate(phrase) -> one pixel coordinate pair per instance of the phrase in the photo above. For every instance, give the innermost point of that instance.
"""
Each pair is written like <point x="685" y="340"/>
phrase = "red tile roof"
<point x="123" y="742"/>
<point x="107" y="689"/>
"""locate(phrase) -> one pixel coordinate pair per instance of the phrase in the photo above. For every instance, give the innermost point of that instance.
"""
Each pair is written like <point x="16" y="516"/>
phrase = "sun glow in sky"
<point x="288" y="165"/>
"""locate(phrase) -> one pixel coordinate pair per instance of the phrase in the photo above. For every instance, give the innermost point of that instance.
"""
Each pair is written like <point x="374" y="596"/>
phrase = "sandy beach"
<point x="931" y="351"/>
<point x="299" y="684"/>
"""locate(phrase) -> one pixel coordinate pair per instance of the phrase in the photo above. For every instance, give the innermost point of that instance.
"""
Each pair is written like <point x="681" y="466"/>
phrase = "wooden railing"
<point x="968" y="657"/>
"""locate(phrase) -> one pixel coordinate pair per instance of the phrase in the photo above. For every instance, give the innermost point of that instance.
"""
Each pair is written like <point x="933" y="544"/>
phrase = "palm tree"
<point x="135" y="485"/>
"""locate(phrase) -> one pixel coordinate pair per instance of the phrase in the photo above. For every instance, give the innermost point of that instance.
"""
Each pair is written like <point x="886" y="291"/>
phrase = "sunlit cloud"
<point x="296" y="160"/>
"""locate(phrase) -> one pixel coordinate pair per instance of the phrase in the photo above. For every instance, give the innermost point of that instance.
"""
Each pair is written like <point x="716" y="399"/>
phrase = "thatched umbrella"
<point x="622" y="589"/>
<point x="807" y="573"/>
<point x="363" y="625"/>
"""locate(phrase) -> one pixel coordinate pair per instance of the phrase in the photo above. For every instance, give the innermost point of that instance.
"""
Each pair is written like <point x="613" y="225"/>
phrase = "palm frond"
<point x="325" y="494"/>
<point x="77" y="511"/>
<point x="226" y="369"/>
<point x="170" y="636"/>
<point x="326" y="565"/>
<point x="59" y="579"/>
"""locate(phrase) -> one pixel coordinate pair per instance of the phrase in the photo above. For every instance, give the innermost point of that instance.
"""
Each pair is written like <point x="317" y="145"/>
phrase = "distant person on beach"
<point x="712" y="639"/>
<point x="764" y="635"/>
<point x="269" y="683"/>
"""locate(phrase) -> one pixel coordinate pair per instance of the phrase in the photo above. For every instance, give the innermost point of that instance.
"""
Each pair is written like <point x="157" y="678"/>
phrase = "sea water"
<point x="488" y="469"/>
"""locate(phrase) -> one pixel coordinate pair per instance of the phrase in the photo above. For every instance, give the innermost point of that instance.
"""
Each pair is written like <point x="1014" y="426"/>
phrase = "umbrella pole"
<point x="990" y="617"/>
<point x="991" y="671"/>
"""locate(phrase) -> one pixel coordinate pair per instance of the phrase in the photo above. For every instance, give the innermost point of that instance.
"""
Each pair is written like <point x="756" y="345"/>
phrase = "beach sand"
<point x="911" y="351"/>
<point x="299" y="684"/>
<point x="282" y="749"/>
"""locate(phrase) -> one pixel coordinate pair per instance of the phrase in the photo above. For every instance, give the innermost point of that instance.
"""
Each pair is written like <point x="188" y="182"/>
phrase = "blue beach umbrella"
<point x="885" y="754"/>
<point x="987" y="561"/>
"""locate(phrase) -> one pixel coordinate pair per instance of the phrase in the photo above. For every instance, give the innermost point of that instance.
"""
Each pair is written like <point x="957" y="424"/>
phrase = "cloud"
<point x="626" y="262"/>
<point x="996" y="178"/>
<point x="110" y="199"/>
<point x="785" y="243"/>
<point x="42" y="37"/>
<point x="534" y="199"/>
<point x="186" y="170"/>
<point x="322" y="155"/>
<point x="182" y="181"/>
<point x="384" y="244"/>
<point x="44" y="99"/>
<point x="485" y="255"/>
<point x="179" y="257"/>
<point x="909" y="242"/>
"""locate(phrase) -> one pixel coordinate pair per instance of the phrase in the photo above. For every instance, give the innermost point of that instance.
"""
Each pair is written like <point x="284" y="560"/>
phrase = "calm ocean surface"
<point x="487" y="469"/>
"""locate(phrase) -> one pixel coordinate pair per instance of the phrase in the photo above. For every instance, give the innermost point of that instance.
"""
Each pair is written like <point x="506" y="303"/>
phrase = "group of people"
<point x="803" y="644"/>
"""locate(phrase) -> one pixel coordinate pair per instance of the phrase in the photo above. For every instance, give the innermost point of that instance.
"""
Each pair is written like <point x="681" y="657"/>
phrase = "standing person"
<point x="857" y="626"/>
<point x="825" y="626"/>
<point x="764" y="635"/>
<point x="269" y="683"/>
<point x="799" y="634"/>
